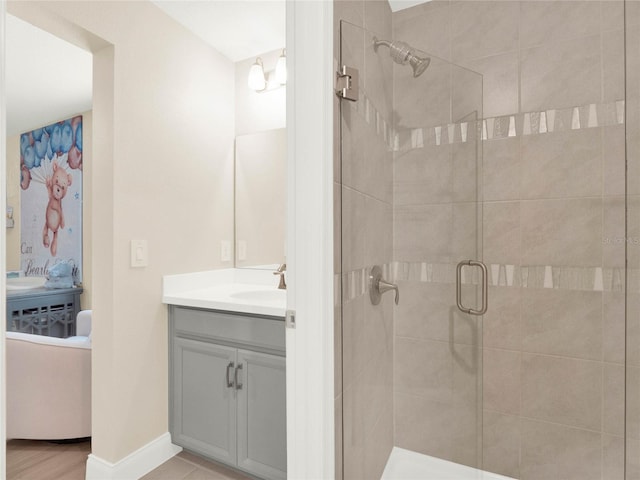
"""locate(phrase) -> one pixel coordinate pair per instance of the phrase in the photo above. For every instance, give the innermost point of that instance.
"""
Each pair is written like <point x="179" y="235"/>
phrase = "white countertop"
<point x="230" y="289"/>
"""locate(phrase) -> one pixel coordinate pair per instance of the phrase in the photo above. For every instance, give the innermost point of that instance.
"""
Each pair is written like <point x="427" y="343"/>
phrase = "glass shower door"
<point x="409" y="188"/>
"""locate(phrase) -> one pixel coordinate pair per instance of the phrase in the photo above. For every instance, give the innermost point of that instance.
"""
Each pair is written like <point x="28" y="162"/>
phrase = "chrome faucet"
<point x="280" y="271"/>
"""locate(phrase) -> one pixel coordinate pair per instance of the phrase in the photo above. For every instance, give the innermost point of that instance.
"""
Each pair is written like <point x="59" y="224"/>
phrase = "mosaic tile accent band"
<point x="596" y="279"/>
<point x="530" y="123"/>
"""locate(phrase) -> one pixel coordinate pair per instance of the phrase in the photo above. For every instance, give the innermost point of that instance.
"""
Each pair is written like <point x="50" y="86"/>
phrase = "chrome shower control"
<point x="377" y="286"/>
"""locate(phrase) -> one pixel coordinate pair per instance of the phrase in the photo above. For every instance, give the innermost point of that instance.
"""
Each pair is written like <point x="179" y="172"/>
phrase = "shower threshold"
<point x="407" y="465"/>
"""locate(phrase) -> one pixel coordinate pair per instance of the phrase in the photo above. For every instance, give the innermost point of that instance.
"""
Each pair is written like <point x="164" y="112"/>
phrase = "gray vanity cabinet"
<point x="227" y="388"/>
<point x="206" y="407"/>
<point x="262" y="415"/>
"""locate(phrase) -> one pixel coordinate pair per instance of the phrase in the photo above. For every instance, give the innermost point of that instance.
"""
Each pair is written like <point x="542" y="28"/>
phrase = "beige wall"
<point x="13" y="199"/>
<point x="163" y="142"/>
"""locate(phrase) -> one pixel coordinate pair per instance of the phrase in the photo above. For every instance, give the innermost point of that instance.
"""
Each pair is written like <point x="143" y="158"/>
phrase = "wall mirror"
<point x="261" y="199"/>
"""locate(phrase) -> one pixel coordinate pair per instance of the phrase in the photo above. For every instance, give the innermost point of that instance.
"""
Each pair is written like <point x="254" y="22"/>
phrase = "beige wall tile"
<point x="613" y="400"/>
<point x="613" y="12"/>
<point x="425" y="311"/>
<point x="465" y="440"/>
<point x="501" y="444"/>
<point x="467" y="384"/>
<point x="633" y="227"/>
<point x="562" y="232"/>
<point x="501" y="231"/>
<point x="633" y="402"/>
<point x="422" y="233"/>
<point x="562" y="322"/>
<point x="561" y="75"/>
<point x="501" y="169"/>
<point x="425" y="101"/>
<point x="632" y="462"/>
<point x="466" y="240"/>
<point x="613" y="327"/>
<point x="555" y="451"/>
<point x="613" y="143"/>
<point x="481" y="29"/>
<point x="549" y="22"/>
<point x="337" y="227"/>
<point x="353" y="229"/>
<point x="466" y="94"/>
<point x="378" y="241"/>
<point x="499" y="83"/>
<point x="633" y="329"/>
<point x="501" y="381"/>
<point x="426" y="26"/>
<point x="562" y="164"/>
<point x="423" y="176"/>
<point x="501" y="325"/>
<point x="354" y="434"/>
<point x="562" y="390"/>
<point x="467" y="162"/>
<point x="354" y="134"/>
<point x="378" y="72"/>
<point x="379" y="445"/>
<point x="613" y="458"/>
<point x="416" y="418"/>
<point x="423" y="368"/>
<point x="355" y="350"/>
<point x="338" y="436"/>
<point x="613" y="232"/>
<point x="613" y="64"/>
<point x="349" y="10"/>
<point x="337" y="350"/>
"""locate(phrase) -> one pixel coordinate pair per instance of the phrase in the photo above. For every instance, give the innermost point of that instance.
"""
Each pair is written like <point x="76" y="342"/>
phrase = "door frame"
<point x="310" y="346"/>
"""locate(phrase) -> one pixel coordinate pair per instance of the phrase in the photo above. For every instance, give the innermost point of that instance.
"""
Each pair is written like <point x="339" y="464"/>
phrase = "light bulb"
<point x="281" y="69"/>
<point x="256" y="80"/>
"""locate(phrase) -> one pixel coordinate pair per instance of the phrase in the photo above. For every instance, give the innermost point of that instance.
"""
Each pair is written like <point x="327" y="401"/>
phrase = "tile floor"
<point x="186" y="466"/>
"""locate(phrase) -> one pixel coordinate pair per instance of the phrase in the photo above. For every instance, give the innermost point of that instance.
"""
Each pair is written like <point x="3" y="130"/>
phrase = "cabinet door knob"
<point x="229" y="382"/>
<point x="235" y="378"/>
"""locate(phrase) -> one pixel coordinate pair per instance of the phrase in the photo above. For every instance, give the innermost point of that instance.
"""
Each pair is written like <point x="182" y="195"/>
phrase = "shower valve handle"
<point x="378" y="286"/>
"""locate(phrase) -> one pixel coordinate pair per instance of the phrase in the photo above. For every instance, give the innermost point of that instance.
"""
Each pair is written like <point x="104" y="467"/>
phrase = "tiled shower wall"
<point x="553" y="187"/>
<point x="632" y="18"/>
<point x="364" y="213"/>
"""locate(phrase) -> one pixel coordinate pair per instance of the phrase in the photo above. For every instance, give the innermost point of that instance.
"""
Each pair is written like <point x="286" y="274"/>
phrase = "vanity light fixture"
<point x="281" y="68"/>
<point x="262" y="82"/>
<point x="257" y="80"/>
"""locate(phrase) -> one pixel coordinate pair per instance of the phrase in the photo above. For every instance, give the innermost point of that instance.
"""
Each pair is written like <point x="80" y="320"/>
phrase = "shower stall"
<point x="487" y="190"/>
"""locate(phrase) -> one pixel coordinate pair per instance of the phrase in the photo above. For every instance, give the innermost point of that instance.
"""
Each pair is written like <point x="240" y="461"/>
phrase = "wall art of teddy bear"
<point x="57" y="187"/>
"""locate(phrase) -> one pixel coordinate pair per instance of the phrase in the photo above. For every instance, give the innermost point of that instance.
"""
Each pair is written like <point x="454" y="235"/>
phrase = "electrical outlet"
<point x="225" y="251"/>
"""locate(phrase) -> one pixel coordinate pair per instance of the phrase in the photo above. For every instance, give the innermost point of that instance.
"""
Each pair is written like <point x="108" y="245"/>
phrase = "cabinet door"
<point x="204" y="406"/>
<point x="262" y="416"/>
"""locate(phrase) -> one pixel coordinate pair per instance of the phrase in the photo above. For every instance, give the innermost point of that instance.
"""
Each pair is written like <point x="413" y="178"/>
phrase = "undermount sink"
<point x="25" y="283"/>
<point x="261" y="295"/>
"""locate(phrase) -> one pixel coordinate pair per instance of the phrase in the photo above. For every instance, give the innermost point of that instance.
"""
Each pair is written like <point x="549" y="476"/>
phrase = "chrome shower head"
<point x="403" y="54"/>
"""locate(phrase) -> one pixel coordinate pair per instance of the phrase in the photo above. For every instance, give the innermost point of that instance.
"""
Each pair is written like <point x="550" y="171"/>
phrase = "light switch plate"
<point x="139" y="253"/>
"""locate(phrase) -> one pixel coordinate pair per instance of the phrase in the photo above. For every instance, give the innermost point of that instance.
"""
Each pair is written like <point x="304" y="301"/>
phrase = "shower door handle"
<point x="485" y="287"/>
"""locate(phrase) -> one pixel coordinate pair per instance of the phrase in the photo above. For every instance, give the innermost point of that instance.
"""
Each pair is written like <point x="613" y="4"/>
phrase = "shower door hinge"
<point x="290" y="319"/>
<point x="347" y="83"/>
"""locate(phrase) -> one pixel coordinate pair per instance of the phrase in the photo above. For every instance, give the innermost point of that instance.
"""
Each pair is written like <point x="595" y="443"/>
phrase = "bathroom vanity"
<point x="227" y="377"/>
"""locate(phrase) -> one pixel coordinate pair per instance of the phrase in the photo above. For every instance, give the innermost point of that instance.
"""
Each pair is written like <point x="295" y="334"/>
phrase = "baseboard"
<point x="134" y="465"/>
